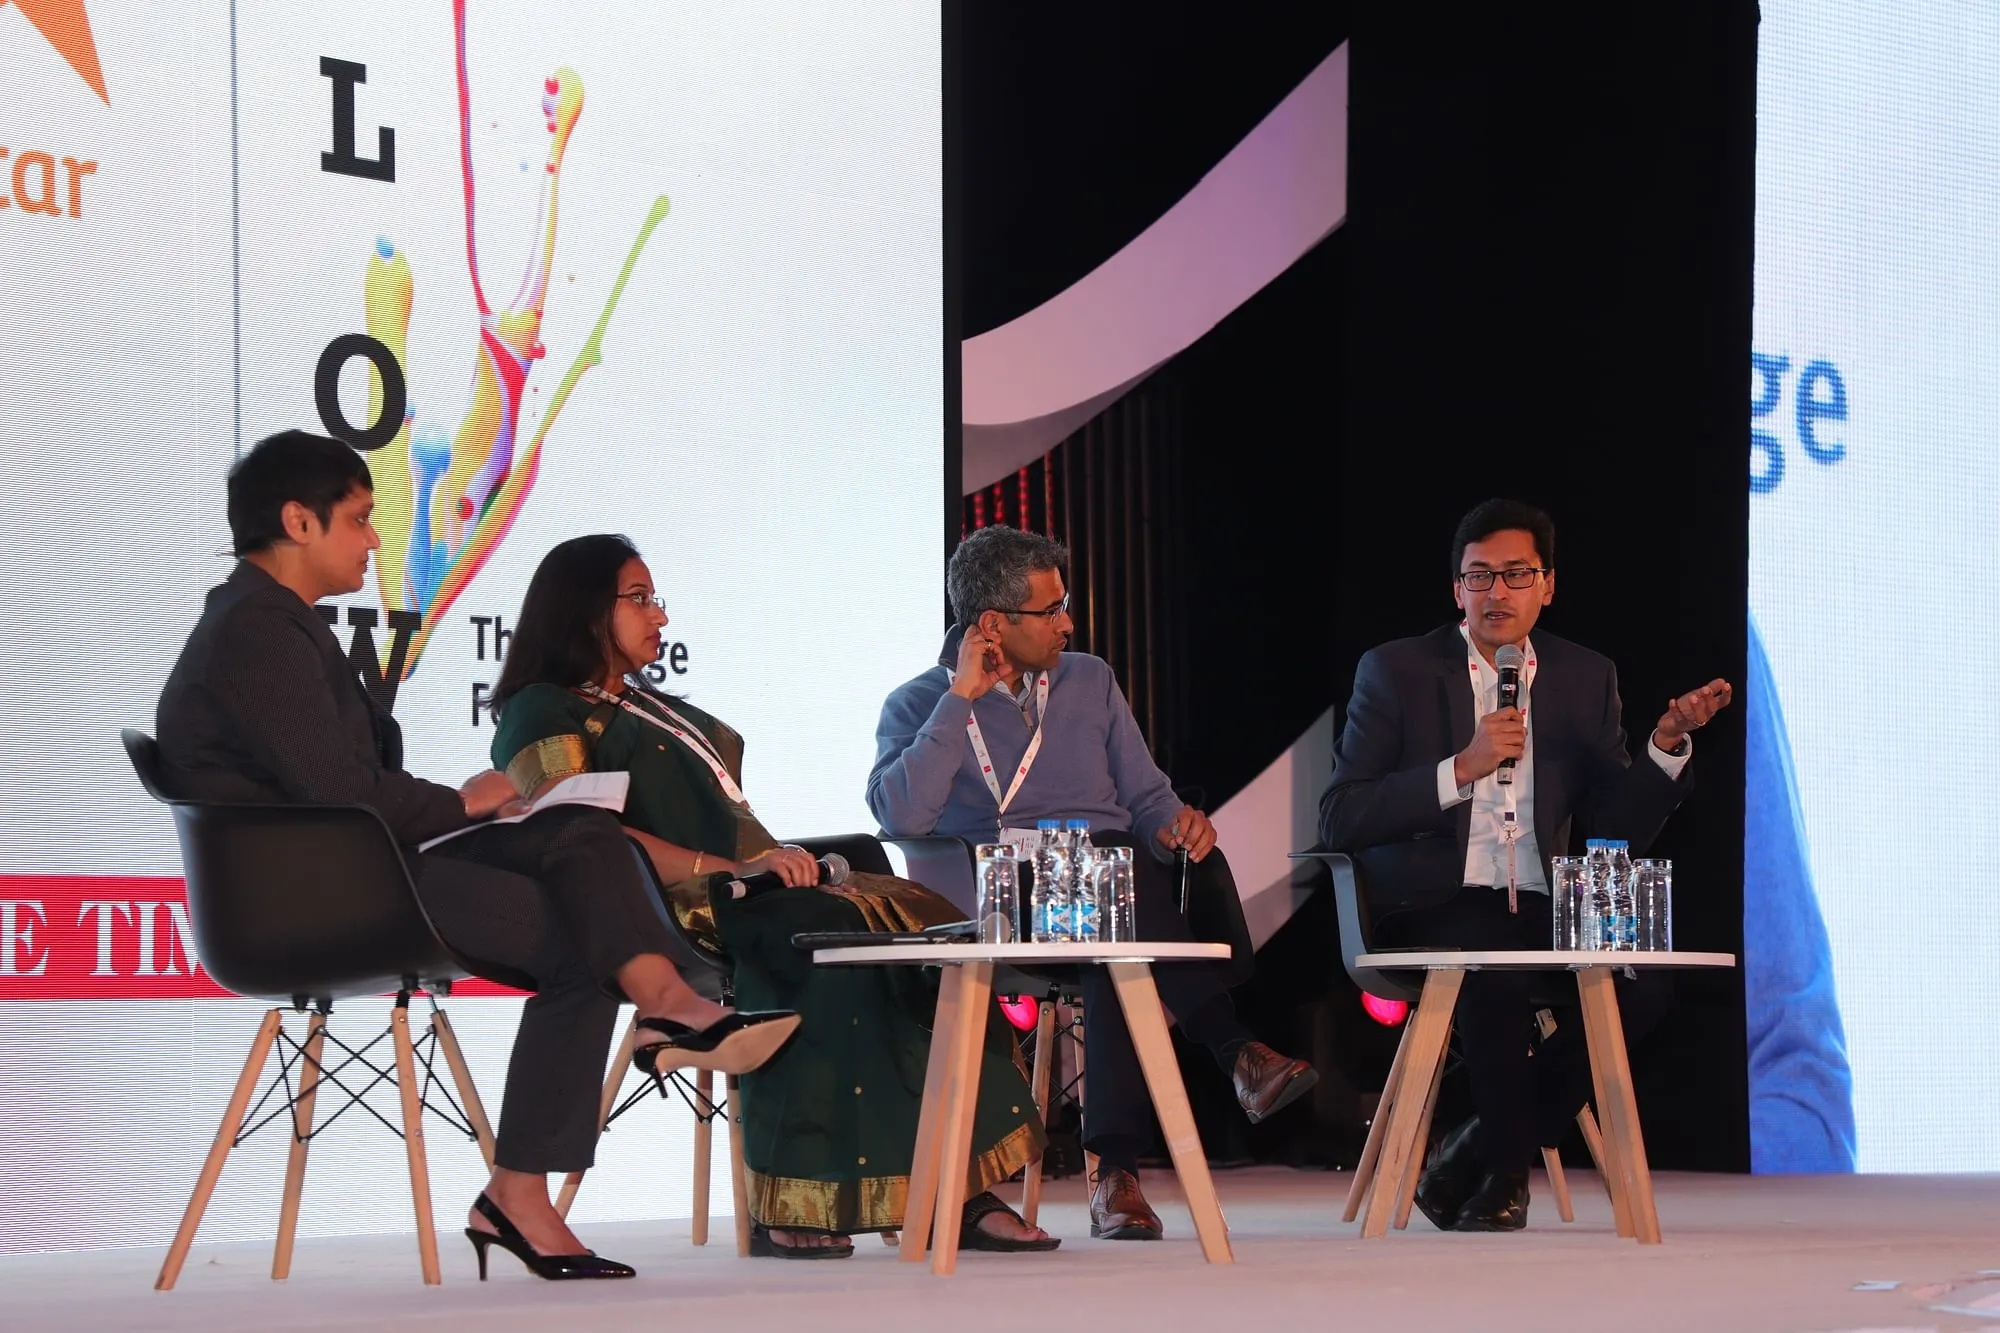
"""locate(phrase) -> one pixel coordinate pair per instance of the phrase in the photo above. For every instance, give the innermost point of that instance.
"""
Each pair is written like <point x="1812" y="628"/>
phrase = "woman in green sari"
<point x="830" y="1121"/>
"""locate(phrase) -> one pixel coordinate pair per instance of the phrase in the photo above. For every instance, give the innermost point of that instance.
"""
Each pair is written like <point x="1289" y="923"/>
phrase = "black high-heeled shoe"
<point x="734" y="1044"/>
<point x="554" y="1267"/>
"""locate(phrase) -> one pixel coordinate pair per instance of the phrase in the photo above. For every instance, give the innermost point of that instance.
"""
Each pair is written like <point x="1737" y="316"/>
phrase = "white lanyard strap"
<point x="1027" y="760"/>
<point x="686" y="732"/>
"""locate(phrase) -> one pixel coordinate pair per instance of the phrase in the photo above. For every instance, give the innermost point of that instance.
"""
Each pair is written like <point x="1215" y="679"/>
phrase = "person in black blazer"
<point x="263" y="706"/>
<point x="1449" y="856"/>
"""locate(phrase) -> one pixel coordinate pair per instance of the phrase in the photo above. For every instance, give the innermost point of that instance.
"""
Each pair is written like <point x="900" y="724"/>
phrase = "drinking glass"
<point x="1653" y="895"/>
<point x="998" y="873"/>
<point x="1567" y="890"/>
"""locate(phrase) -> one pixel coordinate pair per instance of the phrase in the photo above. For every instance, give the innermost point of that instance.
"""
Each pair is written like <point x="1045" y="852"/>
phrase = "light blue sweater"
<point x="1093" y="764"/>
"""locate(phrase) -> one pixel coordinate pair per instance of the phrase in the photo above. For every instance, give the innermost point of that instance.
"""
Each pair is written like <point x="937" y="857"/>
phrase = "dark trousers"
<point x="1117" y="1113"/>
<point x="1523" y="1101"/>
<point x="562" y="899"/>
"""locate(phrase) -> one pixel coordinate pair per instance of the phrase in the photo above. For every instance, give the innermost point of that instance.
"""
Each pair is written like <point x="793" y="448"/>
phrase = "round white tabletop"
<point x="1542" y="959"/>
<point x="1139" y="951"/>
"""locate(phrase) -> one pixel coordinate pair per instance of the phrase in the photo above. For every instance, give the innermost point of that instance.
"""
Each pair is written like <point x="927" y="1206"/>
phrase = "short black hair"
<point x="291" y="465"/>
<point x="1491" y="516"/>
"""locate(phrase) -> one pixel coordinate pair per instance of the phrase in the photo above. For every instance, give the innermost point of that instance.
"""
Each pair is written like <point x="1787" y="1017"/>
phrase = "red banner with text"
<point x="110" y="937"/>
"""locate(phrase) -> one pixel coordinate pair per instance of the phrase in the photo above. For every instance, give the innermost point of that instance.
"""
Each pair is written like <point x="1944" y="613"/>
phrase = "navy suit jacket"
<point x="1412" y="707"/>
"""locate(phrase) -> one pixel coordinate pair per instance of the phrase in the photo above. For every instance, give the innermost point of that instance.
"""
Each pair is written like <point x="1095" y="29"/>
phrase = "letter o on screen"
<point x="326" y="391"/>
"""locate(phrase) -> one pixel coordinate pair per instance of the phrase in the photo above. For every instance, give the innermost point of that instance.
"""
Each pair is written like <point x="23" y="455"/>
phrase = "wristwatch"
<point x="1677" y="751"/>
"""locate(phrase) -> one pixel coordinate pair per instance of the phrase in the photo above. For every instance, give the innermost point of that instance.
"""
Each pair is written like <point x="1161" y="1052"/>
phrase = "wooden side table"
<point x="951" y="1080"/>
<point x="1407" y="1112"/>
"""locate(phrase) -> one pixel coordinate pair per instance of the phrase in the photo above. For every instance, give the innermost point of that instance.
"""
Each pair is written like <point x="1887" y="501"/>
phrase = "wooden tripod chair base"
<point x="706" y="1110"/>
<point x="312" y="1073"/>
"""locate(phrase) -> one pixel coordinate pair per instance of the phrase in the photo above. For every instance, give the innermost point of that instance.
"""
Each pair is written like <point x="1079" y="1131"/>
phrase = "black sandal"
<point x="763" y="1247"/>
<point x="970" y="1237"/>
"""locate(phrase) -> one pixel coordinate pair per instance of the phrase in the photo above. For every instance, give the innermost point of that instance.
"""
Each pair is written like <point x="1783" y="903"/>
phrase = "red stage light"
<point x="1386" y="1012"/>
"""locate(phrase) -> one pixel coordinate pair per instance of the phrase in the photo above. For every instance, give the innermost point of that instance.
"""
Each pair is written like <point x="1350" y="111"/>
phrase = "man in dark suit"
<point x="1452" y="856"/>
<point x="263" y="706"/>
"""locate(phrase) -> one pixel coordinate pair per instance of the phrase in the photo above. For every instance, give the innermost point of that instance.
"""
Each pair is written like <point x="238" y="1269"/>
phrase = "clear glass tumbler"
<point x="1117" y="896"/>
<point x="1568" y="890"/>
<point x="997" y="870"/>
<point x="1654" y="897"/>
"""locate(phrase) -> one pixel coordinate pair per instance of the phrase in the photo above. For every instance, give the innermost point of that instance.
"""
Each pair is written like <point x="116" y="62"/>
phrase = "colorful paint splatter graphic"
<point x="445" y="496"/>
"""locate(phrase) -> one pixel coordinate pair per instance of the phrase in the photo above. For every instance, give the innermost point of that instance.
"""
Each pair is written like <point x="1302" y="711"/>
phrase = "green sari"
<point x="830" y="1122"/>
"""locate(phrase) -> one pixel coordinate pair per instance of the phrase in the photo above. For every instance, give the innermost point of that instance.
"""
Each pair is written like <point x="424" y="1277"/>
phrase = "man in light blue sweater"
<point x="1008" y="728"/>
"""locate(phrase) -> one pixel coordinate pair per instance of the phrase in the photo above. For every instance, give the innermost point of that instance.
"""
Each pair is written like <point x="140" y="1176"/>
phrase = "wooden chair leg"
<point x="1371" y="1151"/>
<point x="739" y="1180"/>
<point x="218" y="1152"/>
<point x="614" y="1079"/>
<point x="921" y="1198"/>
<point x="1415" y="1167"/>
<point x="1593" y="1139"/>
<point x="1045" y="1041"/>
<point x="955" y="1146"/>
<point x="1606" y="1034"/>
<point x="704" y="1148"/>
<point x="1558" y="1183"/>
<point x="310" y="1077"/>
<point x="468" y="1091"/>
<point x="1140" y="1000"/>
<point x="413" y="1141"/>
<point x="1431" y="1028"/>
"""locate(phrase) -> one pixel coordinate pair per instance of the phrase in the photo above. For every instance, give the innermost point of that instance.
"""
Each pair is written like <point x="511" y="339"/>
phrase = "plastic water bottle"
<point x="1050" y="905"/>
<point x="1624" y="897"/>
<point x="1593" y="923"/>
<point x="1084" y="908"/>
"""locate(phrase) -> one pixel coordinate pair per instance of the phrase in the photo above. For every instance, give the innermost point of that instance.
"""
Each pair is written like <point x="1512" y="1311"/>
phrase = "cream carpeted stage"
<point x="1740" y="1254"/>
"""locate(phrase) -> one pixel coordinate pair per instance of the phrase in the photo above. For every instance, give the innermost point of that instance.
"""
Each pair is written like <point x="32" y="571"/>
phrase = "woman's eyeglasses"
<point x="640" y="599"/>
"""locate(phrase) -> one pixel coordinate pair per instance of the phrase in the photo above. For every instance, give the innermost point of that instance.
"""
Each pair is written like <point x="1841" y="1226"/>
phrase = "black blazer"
<point x="1412" y="708"/>
<point x="263" y="706"/>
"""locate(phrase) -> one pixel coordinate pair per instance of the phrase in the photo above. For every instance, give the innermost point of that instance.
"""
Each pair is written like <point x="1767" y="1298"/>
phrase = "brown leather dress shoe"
<point x="1267" y="1082"/>
<point x="1119" y="1212"/>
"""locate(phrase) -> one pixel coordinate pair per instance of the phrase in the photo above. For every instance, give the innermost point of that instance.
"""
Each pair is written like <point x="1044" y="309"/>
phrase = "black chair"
<point x="706" y="969"/>
<point x="1357" y="937"/>
<point x="306" y="905"/>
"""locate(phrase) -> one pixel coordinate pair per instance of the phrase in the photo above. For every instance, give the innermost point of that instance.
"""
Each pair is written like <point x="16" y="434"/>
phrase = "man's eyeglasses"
<point x="640" y="600"/>
<point x="1048" y="613"/>
<point x="1519" y="576"/>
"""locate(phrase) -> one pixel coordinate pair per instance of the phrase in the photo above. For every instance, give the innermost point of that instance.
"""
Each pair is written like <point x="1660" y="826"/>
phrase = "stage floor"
<point x="1740" y="1254"/>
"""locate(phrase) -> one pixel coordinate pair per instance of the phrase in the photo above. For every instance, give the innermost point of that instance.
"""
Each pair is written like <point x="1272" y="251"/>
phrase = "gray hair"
<point x="989" y="570"/>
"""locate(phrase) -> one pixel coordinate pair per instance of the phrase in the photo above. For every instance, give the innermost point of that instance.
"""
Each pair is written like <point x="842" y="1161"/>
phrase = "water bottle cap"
<point x="1048" y="823"/>
<point x="1077" y="824"/>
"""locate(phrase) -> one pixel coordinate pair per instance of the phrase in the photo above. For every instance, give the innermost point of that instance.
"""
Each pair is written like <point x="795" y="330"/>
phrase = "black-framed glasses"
<point x="1048" y="613"/>
<point x="640" y="599"/>
<point x="1517" y="576"/>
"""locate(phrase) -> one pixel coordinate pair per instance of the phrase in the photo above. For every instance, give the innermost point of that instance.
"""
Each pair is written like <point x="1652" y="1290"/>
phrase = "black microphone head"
<point x="834" y="869"/>
<point x="1509" y="657"/>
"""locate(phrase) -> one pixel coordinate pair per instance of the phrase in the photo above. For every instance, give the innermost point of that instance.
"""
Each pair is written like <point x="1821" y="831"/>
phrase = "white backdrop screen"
<point x="1874" y="548"/>
<point x="660" y="268"/>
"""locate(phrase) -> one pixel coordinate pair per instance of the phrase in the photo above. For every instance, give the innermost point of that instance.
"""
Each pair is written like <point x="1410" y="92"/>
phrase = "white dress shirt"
<point x="1485" y="848"/>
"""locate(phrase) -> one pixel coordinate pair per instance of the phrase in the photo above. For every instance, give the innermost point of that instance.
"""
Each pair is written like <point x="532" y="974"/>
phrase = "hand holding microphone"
<point x="785" y="872"/>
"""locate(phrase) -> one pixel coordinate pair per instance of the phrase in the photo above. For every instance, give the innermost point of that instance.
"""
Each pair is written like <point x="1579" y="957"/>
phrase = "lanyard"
<point x="1506" y="813"/>
<point x="1027" y="760"/>
<point x="686" y="732"/>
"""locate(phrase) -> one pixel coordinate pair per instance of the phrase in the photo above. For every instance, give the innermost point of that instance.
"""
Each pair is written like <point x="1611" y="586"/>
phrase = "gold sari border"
<point x="876" y="1203"/>
<point x="547" y="760"/>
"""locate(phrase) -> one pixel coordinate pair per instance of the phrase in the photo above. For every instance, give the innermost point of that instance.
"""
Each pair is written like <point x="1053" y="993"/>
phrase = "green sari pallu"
<point x="830" y="1122"/>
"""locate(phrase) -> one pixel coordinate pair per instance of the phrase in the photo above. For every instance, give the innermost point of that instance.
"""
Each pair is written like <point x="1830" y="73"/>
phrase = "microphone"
<point x="833" y="870"/>
<point x="1508" y="658"/>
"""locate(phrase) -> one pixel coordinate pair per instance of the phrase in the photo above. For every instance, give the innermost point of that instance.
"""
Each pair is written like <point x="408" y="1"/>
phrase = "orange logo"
<point x="67" y="27"/>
